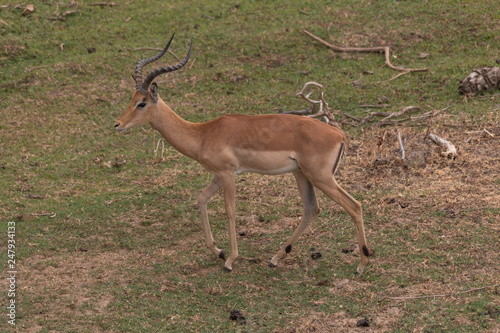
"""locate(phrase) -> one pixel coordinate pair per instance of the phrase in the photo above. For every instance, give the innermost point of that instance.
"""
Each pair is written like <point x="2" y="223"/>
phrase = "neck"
<point x="179" y="133"/>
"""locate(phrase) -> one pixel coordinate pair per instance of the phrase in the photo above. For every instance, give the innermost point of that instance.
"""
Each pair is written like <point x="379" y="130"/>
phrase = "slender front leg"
<point x="229" y="186"/>
<point x="209" y="192"/>
<point x="310" y="211"/>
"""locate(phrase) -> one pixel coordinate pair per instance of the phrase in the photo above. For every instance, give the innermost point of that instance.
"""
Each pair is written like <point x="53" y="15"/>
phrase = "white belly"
<point x="272" y="164"/>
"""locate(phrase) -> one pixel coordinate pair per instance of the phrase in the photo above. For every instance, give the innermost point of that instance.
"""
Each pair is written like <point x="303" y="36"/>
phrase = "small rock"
<point x="237" y="316"/>
<point x="365" y="322"/>
<point x="316" y="255"/>
<point x="348" y="249"/>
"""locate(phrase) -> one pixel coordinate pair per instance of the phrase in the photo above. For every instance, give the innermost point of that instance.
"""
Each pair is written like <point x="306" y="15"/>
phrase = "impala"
<point x="233" y="144"/>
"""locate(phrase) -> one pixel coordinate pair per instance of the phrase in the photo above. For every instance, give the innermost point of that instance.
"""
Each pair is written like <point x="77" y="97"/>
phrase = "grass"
<point x="125" y="249"/>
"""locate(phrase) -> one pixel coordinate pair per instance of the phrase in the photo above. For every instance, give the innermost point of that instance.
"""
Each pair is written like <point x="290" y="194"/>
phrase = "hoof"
<point x="227" y="269"/>
<point x="360" y="270"/>
<point x="272" y="265"/>
<point x="222" y="255"/>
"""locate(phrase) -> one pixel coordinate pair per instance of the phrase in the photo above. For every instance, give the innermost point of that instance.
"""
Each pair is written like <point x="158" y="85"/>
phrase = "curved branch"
<point x="322" y="103"/>
<point x="384" y="49"/>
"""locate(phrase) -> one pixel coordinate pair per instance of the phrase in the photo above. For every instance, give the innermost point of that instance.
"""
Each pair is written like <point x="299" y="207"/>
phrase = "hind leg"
<point x="310" y="211"/>
<point x="332" y="189"/>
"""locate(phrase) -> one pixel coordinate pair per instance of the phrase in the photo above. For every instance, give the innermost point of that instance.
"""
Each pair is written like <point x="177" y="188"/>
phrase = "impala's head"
<point x="144" y="101"/>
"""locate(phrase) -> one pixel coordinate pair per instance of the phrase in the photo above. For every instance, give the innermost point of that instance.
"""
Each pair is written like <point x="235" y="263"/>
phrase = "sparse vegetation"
<point x="107" y="236"/>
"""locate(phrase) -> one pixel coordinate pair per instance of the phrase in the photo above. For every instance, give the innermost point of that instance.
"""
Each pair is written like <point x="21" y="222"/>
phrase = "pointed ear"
<point x="153" y="91"/>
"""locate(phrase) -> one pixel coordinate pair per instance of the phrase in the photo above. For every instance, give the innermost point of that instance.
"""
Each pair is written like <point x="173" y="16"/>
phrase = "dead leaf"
<point x="128" y="19"/>
<point x="61" y="46"/>
<point x="68" y="12"/>
<point x="28" y="9"/>
<point x="424" y="55"/>
<point x="356" y="83"/>
<point x="3" y="22"/>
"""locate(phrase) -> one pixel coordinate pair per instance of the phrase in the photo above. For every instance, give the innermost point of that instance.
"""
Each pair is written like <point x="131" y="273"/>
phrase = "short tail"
<point x="340" y="157"/>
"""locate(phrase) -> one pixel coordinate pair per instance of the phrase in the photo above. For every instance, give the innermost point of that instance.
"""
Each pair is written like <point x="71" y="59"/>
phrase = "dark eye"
<point x="141" y="105"/>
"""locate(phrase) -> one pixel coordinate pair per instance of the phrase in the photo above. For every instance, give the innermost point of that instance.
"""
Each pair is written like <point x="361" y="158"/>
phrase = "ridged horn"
<point x="141" y="63"/>
<point x="162" y="70"/>
<point x="143" y="86"/>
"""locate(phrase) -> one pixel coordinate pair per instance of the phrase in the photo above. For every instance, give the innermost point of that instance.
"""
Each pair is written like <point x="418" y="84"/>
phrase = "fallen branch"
<point x="487" y="132"/>
<point x="371" y="115"/>
<point x="389" y="117"/>
<point x="442" y="295"/>
<point x="36" y="67"/>
<point x="401" y="147"/>
<point x="62" y="17"/>
<point x="374" y="106"/>
<point x="192" y="62"/>
<point x="429" y="114"/>
<point x="105" y="3"/>
<point x="321" y="104"/>
<point x="387" y="120"/>
<point x="351" y="117"/>
<point x="384" y="49"/>
<point x="484" y="131"/>
<point x="486" y="96"/>
<point x="394" y="77"/>
<point x="399" y="113"/>
<point x="324" y="110"/>
<point x="300" y="112"/>
<point x="450" y="148"/>
<point x="51" y="215"/>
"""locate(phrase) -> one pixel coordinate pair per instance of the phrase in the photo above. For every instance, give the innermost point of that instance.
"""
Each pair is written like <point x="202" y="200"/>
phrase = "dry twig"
<point x="324" y="110"/>
<point x="36" y="67"/>
<point x="401" y="147"/>
<point x="301" y="112"/>
<point x="105" y="3"/>
<point x="51" y="215"/>
<point x="384" y="49"/>
<point x="429" y="114"/>
<point x="61" y="17"/>
<point x="396" y="114"/>
<point x="371" y="115"/>
<point x="151" y="49"/>
<point x="484" y="131"/>
<point x="374" y="106"/>
<point x="389" y="117"/>
<point x="442" y="295"/>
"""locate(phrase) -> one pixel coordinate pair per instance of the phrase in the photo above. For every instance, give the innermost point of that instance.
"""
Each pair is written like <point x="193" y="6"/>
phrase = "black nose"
<point x="117" y="124"/>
